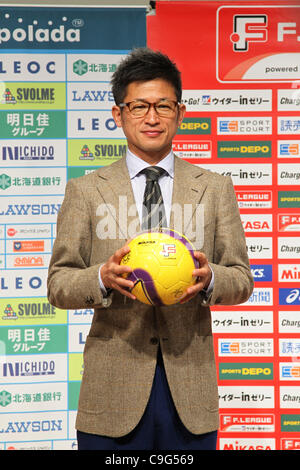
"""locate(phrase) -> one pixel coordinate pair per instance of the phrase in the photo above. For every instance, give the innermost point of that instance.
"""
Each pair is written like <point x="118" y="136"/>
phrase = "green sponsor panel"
<point x="30" y="311"/>
<point x="73" y="394"/>
<point x="91" y="152"/>
<point x="244" y="149"/>
<point x="245" y="371"/>
<point x="33" y="124"/>
<point x="42" y="339"/>
<point x="290" y="423"/>
<point x="28" y="95"/>
<point x="75" y="366"/>
<point x="76" y="172"/>
<point x="289" y="199"/>
<point x="195" y="126"/>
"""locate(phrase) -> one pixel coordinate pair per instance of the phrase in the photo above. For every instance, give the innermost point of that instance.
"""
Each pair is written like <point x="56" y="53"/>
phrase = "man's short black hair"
<point x="144" y="64"/>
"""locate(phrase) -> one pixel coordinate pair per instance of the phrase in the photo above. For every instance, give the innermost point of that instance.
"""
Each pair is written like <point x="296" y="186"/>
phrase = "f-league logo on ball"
<point x="168" y="249"/>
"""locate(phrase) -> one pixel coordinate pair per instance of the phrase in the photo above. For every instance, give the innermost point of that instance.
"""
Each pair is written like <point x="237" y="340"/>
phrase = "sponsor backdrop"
<point x="55" y="124"/>
<point x="241" y="80"/>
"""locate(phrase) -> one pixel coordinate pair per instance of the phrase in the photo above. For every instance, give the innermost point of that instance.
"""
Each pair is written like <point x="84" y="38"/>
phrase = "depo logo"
<point x="248" y="28"/>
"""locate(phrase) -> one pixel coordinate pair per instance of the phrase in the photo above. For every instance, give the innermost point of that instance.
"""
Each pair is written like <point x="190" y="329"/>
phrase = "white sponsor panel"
<point x="243" y="174"/>
<point x="289" y="174"/>
<point x="288" y="125"/>
<point x="232" y="396"/>
<point x="33" y="369"/>
<point x="23" y="283"/>
<point x="288" y="247"/>
<point x="245" y="347"/>
<point x="77" y="337"/>
<point x="227" y="100"/>
<point x="192" y="148"/>
<point x="33" y="397"/>
<point x="84" y="315"/>
<point x="92" y="67"/>
<point x="289" y="273"/>
<point x="32" y="153"/>
<point x="289" y="222"/>
<point x="36" y="445"/>
<point x="289" y="371"/>
<point x="289" y="321"/>
<point x="35" y="426"/>
<point x="90" y="96"/>
<point x="85" y="124"/>
<point x="246" y="444"/>
<point x="41" y="245"/>
<point x="32" y="67"/>
<point x="241" y="422"/>
<point x="289" y="347"/>
<point x="257" y="222"/>
<point x="32" y="181"/>
<point x="259" y="247"/>
<point x="288" y="148"/>
<point x="252" y="199"/>
<point x="27" y="209"/>
<point x="261" y="296"/>
<point x="28" y="261"/>
<point x="288" y="99"/>
<point x="21" y="231"/>
<point x="70" y="444"/>
<point x="289" y="397"/>
<point x="247" y="125"/>
<point x="246" y="321"/>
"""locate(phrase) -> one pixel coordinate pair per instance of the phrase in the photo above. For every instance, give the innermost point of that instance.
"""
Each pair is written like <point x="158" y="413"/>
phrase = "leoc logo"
<point x="248" y="28"/>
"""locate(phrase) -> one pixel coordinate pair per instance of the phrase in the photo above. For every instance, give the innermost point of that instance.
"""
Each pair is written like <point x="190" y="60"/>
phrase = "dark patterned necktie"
<point x="154" y="215"/>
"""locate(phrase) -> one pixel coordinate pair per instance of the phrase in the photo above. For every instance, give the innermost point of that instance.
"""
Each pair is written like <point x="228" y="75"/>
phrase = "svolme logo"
<point x="32" y="32"/>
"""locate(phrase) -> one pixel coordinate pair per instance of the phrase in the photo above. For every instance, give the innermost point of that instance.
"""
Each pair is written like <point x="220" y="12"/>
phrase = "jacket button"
<point x="154" y="340"/>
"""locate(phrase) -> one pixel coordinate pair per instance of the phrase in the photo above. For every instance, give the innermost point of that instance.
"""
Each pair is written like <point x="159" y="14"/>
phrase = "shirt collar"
<point x="136" y="164"/>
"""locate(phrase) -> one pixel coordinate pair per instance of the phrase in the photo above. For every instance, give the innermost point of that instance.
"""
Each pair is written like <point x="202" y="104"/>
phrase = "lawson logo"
<point x="262" y="272"/>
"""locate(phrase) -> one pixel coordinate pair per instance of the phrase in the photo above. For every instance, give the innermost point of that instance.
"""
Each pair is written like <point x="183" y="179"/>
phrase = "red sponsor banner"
<point x="240" y="65"/>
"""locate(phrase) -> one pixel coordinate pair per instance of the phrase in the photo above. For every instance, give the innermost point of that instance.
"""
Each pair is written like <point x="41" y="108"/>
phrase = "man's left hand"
<point x="203" y="275"/>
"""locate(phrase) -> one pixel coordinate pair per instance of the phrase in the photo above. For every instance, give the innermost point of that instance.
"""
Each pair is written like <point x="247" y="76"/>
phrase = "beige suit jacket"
<point x="121" y="348"/>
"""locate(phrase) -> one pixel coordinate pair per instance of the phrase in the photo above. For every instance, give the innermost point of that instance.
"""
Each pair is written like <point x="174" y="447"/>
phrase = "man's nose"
<point x="152" y="115"/>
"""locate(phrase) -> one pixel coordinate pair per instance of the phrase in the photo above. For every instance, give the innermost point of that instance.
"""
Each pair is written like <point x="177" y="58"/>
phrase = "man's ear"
<point x="116" y="113"/>
<point x="181" y="113"/>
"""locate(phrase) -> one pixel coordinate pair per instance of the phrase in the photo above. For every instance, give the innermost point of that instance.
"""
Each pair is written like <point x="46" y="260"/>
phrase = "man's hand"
<point x="111" y="273"/>
<point x="203" y="275"/>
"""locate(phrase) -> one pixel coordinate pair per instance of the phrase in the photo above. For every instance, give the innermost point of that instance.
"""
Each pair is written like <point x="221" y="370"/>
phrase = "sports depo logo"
<point x="248" y="28"/>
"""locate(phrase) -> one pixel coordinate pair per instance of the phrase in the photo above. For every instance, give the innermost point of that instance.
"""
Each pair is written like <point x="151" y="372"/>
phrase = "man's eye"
<point x="139" y="106"/>
<point x="163" y="106"/>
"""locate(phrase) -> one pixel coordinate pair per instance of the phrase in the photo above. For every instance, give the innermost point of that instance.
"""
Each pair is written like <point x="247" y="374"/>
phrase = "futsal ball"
<point x="162" y="263"/>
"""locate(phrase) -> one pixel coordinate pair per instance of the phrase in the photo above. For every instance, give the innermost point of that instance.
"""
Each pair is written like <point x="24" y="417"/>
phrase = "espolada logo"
<point x="33" y="32"/>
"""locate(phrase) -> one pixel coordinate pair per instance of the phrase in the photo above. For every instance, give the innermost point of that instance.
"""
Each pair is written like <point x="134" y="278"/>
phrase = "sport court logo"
<point x="246" y="29"/>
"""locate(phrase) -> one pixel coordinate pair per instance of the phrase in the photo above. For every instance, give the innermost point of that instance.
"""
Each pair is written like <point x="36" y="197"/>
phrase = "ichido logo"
<point x="248" y="28"/>
<point x="32" y="32"/>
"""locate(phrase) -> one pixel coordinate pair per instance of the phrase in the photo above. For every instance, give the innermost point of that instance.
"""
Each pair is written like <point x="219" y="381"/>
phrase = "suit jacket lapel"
<point x="116" y="191"/>
<point x="189" y="186"/>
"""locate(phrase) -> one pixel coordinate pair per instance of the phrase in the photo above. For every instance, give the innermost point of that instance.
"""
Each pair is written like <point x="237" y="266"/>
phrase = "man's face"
<point x="149" y="137"/>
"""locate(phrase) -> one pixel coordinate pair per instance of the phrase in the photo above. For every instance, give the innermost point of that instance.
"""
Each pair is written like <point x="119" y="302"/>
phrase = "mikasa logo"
<point x="33" y="32"/>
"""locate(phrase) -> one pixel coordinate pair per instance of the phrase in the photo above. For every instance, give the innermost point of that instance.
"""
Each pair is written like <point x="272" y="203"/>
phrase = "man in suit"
<point x="149" y="377"/>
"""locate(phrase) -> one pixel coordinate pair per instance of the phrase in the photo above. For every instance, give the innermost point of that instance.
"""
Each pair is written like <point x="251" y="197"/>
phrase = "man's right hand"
<point x="111" y="273"/>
